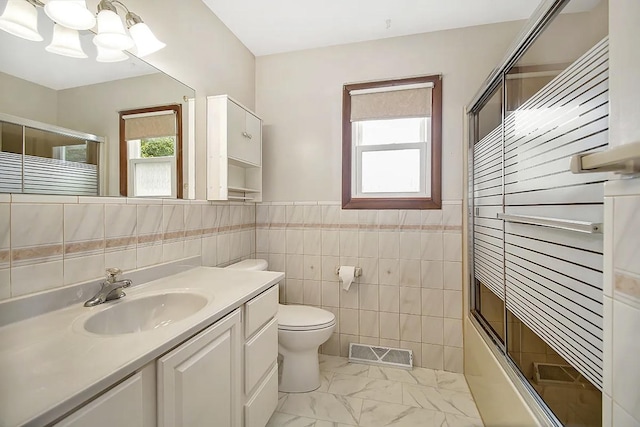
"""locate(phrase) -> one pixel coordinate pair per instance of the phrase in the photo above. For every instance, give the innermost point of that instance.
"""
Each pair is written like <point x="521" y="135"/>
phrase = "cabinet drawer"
<point x="260" y="310"/>
<point x="261" y="406"/>
<point x="260" y="352"/>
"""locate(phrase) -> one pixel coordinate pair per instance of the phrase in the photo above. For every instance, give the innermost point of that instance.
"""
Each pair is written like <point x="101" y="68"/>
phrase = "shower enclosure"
<point x="535" y="229"/>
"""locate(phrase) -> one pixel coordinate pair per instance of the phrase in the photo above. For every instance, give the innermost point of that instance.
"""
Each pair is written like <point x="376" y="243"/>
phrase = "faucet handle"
<point x="112" y="272"/>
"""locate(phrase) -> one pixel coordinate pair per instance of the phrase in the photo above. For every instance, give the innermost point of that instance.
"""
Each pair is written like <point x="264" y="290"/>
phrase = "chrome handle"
<point x="247" y="135"/>
<point x="112" y="273"/>
<point x="563" y="224"/>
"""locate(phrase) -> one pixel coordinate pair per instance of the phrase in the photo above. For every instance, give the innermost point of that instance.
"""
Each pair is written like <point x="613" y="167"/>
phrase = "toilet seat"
<point x="304" y="318"/>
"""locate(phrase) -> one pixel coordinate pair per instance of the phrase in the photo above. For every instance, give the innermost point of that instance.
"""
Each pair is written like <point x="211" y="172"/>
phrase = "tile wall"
<point x="621" y="393"/>
<point x="48" y="242"/>
<point x="410" y="292"/>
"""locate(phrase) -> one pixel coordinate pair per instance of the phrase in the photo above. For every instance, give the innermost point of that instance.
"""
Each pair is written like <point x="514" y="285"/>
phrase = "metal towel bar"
<point x="563" y="224"/>
<point x="623" y="159"/>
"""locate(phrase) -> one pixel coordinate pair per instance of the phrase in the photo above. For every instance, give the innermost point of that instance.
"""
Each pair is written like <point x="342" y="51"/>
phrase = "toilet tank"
<point x="250" y="264"/>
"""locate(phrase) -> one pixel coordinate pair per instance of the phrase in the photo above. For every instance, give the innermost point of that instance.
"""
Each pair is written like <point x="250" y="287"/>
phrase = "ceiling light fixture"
<point x="20" y="18"/>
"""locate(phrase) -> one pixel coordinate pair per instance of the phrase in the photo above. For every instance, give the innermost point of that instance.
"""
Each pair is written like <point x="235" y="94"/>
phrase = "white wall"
<point x="299" y="96"/>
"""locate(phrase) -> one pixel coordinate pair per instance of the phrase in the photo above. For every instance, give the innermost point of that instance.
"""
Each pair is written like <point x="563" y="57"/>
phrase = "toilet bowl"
<point x="301" y="330"/>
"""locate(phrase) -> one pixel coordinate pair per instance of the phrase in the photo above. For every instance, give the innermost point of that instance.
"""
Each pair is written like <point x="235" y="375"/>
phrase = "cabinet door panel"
<point x="121" y="406"/>
<point x="235" y="128"/>
<point x="198" y="382"/>
<point x="260" y="353"/>
<point x="254" y="130"/>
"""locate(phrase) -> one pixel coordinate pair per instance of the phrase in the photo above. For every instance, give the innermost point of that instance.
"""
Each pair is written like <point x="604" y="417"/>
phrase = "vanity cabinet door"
<point x="132" y="403"/>
<point x="199" y="382"/>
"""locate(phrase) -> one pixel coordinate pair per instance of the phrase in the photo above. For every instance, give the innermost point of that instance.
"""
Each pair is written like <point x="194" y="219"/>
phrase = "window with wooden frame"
<point x="391" y="144"/>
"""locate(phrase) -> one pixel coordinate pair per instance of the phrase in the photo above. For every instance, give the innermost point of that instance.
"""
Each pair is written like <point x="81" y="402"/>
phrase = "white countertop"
<point x="50" y="365"/>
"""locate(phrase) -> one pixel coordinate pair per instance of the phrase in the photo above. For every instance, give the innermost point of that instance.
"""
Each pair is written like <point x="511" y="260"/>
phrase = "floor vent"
<point x="551" y="373"/>
<point x="385" y="356"/>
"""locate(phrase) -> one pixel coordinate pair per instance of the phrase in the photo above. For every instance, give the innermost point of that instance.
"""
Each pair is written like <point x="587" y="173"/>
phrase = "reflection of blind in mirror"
<point x="53" y="176"/>
<point x="393" y="171"/>
<point x="152" y="178"/>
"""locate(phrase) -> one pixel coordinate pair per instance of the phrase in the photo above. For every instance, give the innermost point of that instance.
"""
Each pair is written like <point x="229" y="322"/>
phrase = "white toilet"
<point x="301" y="330"/>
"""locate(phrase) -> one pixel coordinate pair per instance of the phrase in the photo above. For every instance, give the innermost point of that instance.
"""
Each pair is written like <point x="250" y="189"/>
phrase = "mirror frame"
<point x="124" y="161"/>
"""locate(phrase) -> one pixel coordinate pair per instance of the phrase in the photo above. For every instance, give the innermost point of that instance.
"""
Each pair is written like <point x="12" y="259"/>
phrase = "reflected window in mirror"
<point x="151" y="152"/>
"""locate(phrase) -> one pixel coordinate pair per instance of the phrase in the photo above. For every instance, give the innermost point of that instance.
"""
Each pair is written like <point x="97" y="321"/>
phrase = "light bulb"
<point x="111" y="32"/>
<point x="146" y="42"/>
<point x="66" y="42"/>
<point x="20" y="18"/>
<point x="70" y="13"/>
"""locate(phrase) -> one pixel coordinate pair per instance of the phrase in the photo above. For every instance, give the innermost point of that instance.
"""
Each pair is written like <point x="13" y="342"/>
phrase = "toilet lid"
<point x="304" y="317"/>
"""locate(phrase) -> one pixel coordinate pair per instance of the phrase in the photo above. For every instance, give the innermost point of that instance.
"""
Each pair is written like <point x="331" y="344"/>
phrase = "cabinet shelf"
<point x="241" y="163"/>
<point x="244" y="198"/>
<point x="242" y="189"/>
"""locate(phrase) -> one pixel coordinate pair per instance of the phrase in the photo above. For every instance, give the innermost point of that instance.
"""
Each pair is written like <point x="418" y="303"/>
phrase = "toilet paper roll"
<point x="347" y="273"/>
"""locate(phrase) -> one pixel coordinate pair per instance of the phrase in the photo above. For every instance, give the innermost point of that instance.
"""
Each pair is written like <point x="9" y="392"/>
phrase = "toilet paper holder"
<point x="358" y="271"/>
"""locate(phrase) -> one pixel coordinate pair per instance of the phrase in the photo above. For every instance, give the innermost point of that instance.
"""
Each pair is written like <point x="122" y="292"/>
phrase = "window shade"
<point x="150" y="126"/>
<point x="391" y="104"/>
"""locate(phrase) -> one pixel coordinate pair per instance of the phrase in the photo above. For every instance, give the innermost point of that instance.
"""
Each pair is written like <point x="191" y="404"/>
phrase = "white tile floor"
<point x="371" y="396"/>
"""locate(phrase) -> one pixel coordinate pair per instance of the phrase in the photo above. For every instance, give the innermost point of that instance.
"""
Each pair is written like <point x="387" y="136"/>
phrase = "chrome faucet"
<point x="110" y="289"/>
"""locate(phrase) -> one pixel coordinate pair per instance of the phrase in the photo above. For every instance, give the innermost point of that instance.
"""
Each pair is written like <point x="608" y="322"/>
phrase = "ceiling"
<point x="276" y="26"/>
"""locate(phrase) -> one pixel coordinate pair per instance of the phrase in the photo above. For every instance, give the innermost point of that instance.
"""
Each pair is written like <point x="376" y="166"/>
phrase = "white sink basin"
<point x="144" y="313"/>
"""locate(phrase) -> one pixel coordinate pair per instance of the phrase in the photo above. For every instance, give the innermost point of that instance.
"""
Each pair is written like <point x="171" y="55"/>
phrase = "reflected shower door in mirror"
<point x="150" y="152"/>
<point x="82" y="96"/>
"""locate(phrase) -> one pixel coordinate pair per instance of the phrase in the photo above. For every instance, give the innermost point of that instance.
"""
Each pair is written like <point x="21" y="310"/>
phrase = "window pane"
<point x="394" y="131"/>
<point x="391" y="171"/>
<point x="152" y="179"/>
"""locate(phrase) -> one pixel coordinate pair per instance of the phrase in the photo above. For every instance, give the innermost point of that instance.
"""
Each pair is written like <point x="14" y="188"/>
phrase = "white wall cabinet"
<point x="199" y="381"/>
<point x="234" y="151"/>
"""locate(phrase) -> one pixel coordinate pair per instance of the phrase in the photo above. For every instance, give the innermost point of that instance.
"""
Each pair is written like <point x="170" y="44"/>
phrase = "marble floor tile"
<point x="378" y="414"/>
<point x="325" y="380"/>
<point x="279" y="419"/>
<point x="366" y="388"/>
<point x="443" y="400"/>
<point x="451" y="381"/>
<point x="341" y="365"/>
<point x="461" y="421"/>
<point x="418" y="376"/>
<point x="323" y="406"/>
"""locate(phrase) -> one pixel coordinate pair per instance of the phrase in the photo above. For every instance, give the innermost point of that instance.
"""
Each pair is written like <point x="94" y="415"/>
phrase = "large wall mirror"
<point x="60" y="117"/>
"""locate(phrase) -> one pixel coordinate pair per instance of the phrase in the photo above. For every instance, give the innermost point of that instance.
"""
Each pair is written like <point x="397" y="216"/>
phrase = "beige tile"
<point x="262" y="240"/>
<point x="417" y="376"/>
<point x="294" y="266"/>
<point x="453" y="359"/>
<point x="330" y="242"/>
<point x="37" y="277"/>
<point x="312" y="293"/>
<point x="432" y="330"/>
<point x="124" y="259"/>
<point x="332" y="345"/>
<point x="452" y="332"/>
<point x="452" y="381"/>
<point x="148" y="255"/>
<point x="452" y="275"/>
<point x="312" y="242"/>
<point x="35" y="225"/>
<point x="410" y="247"/>
<point x="389" y="299"/>
<point x="452" y="245"/>
<point x="388" y="272"/>
<point x="452" y="214"/>
<point x="432" y="302"/>
<point x="390" y="326"/>
<point x="223" y="251"/>
<point x="368" y="244"/>
<point x="369" y="323"/>
<point x="431" y="217"/>
<point x="330" y="294"/>
<point x="277" y="214"/>
<point x="432" y="274"/>
<point x="410" y="273"/>
<point x="5" y="284"/>
<point x="349" y="299"/>
<point x="453" y="304"/>
<point x="388" y="245"/>
<point x="329" y="264"/>
<point x="277" y="241"/>
<point x="388" y="217"/>
<point x="294" y="214"/>
<point x="369" y="270"/>
<point x="410" y="328"/>
<point x="172" y="251"/>
<point x="416" y="349"/>
<point x="369" y="340"/>
<point x="431" y="246"/>
<point x="368" y="217"/>
<point x="173" y="218"/>
<point x="462" y="421"/>
<point x="312" y="267"/>
<point x="386" y="342"/>
<point x="443" y="400"/>
<point x="410" y="300"/>
<point x="313" y="215"/>
<point x="5" y="226"/>
<point x="340" y="365"/>
<point x="345" y="340"/>
<point x="368" y="295"/>
<point x="349" y="243"/>
<point x="294" y="291"/>
<point x="349" y="321"/>
<point x="192" y="217"/>
<point x="149" y="219"/>
<point x="81" y="269"/>
<point x="294" y="241"/>
<point x="432" y="356"/>
<point x="120" y="220"/>
<point x="330" y="214"/>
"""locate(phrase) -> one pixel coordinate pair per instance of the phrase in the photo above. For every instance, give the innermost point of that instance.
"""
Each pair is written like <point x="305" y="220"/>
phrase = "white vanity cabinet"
<point x="234" y="151"/>
<point x="199" y="382"/>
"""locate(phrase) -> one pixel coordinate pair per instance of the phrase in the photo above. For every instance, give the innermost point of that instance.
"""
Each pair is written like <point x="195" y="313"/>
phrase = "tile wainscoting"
<point x="410" y="291"/>
<point x="48" y="242"/>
